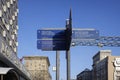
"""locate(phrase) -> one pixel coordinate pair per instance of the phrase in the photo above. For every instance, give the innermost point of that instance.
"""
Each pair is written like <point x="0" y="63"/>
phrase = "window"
<point x="118" y="78"/>
<point x="118" y="72"/>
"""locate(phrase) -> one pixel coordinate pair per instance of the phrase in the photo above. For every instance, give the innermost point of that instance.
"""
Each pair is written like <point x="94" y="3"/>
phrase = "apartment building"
<point x="106" y="66"/>
<point x="10" y="66"/>
<point x="8" y="26"/>
<point x="38" y="66"/>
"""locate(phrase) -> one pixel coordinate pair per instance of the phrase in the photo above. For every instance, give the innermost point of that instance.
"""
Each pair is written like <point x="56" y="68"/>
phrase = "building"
<point x="99" y="58"/>
<point x="10" y="66"/>
<point x="8" y="26"/>
<point x="106" y="66"/>
<point x="38" y="66"/>
<point x="85" y="75"/>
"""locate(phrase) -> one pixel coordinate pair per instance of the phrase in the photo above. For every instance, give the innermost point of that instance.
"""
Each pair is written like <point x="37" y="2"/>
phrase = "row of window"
<point x="9" y="15"/>
<point x="36" y="67"/>
<point x="39" y="76"/>
<point x="4" y="48"/>
<point x="7" y="38"/>
<point x="10" y="10"/>
<point x="8" y="22"/>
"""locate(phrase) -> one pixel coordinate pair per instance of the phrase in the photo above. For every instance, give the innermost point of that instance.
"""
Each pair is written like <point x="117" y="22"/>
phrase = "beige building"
<point x="106" y="66"/>
<point x="38" y="66"/>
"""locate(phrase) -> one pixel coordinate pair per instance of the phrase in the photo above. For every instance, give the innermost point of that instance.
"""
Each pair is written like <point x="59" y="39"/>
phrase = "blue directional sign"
<point x="51" y="45"/>
<point x="55" y="39"/>
<point x="51" y="34"/>
<point x="85" y="34"/>
<point x="51" y="39"/>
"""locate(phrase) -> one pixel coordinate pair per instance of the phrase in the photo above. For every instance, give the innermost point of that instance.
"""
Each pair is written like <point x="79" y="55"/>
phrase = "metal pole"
<point x="68" y="63"/>
<point x="57" y="65"/>
<point x="1" y="77"/>
<point x="68" y="41"/>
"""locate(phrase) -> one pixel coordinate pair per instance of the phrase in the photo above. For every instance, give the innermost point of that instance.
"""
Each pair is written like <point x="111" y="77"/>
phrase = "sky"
<point x="103" y="15"/>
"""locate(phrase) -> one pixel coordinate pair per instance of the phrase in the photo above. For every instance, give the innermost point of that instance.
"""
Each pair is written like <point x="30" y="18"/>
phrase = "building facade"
<point x="8" y="26"/>
<point x="99" y="58"/>
<point x="9" y="62"/>
<point x="38" y="66"/>
<point x="106" y="66"/>
<point x="85" y="75"/>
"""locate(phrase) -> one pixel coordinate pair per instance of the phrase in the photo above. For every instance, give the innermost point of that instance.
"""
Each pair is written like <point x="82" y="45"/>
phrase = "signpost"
<point x="50" y="40"/>
<point x="57" y="39"/>
<point x="60" y="39"/>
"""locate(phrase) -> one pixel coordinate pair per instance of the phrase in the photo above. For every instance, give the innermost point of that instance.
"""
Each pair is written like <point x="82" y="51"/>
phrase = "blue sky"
<point x="103" y="15"/>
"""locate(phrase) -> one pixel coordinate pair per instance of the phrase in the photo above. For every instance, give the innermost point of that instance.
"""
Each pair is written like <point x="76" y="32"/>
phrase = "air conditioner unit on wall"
<point x="15" y="31"/>
<point x="4" y="33"/>
<point x="11" y="22"/>
<point x="4" y="8"/>
<point x="15" y="50"/>
<point x="3" y="20"/>
<point x="7" y="26"/>
<point x="10" y="43"/>
<point x="13" y="36"/>
<point x="16" y="13"/>
<point x="2" y="47"/>
<point x="8" y="4"/>
<point x="11" y="1"/>
<point x="0" y="13"/>
<point x="13" y="17"/>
